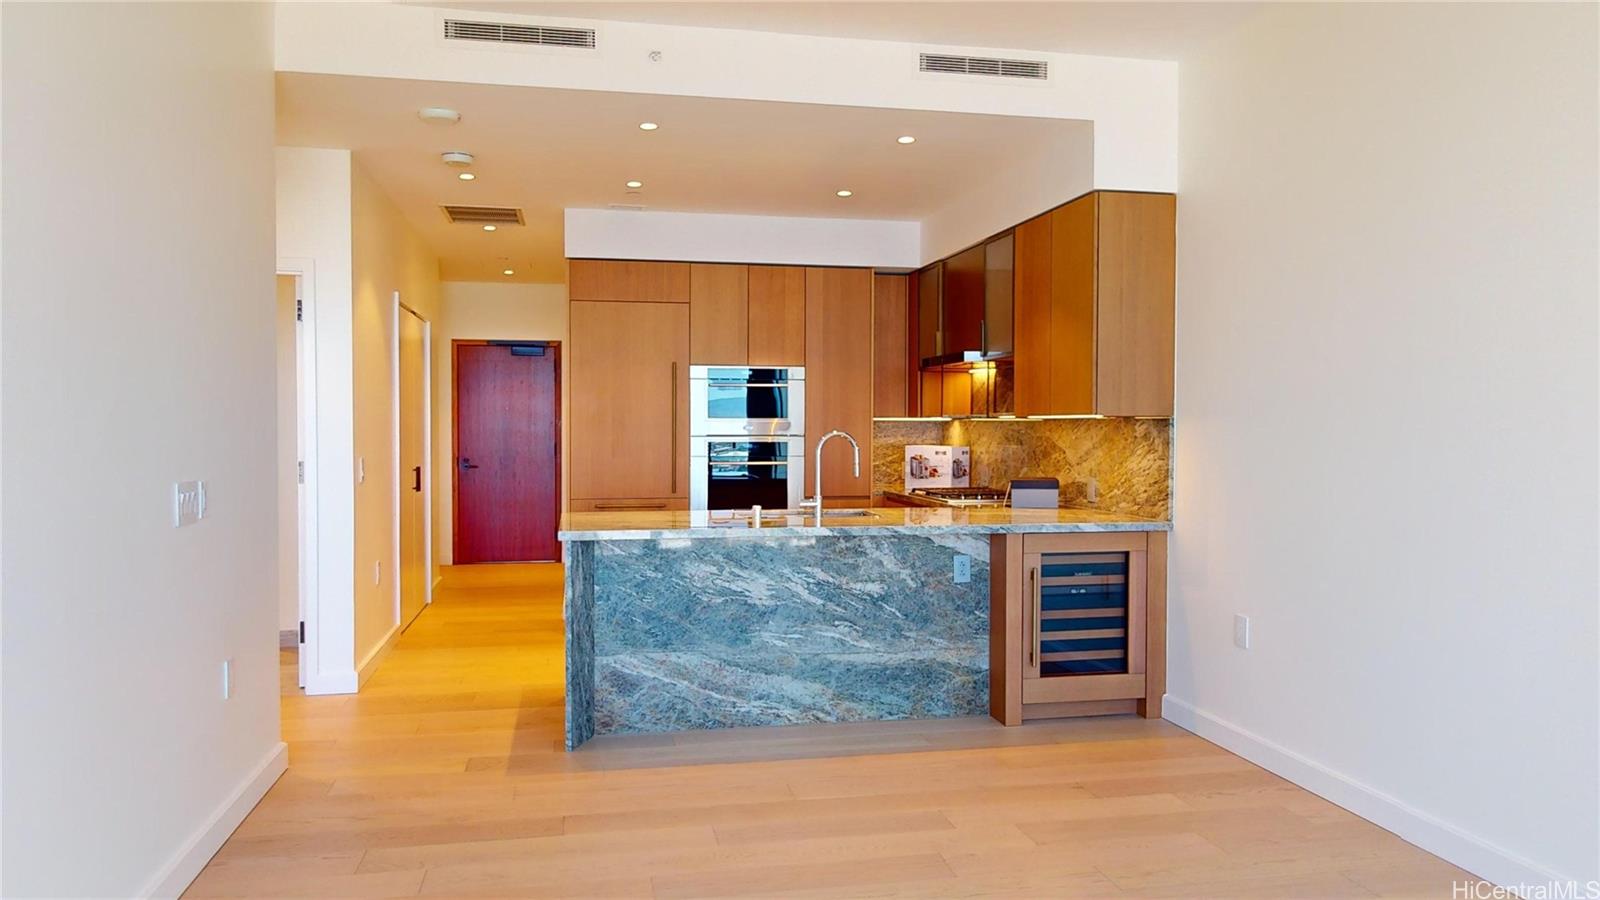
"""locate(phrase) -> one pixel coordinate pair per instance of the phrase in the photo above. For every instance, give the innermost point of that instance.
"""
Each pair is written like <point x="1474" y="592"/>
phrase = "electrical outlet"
<point x="1091" y="490"/>
<point x="963" y="568"/>
<point x="1241" y="632"/>
<point x="227" y="679"/>
<point x="188" y="503"/>
<point x="361" y="470"/>
<point x="377" y="571"/>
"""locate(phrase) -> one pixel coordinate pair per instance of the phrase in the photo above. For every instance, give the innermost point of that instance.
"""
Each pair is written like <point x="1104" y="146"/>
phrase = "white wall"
<point x="387" y="256"/>
<point x="714" y="237"/>
<point x="1387" y="400"/>
<point x="314" y="228"/>
<point x="1034" y="179"/>
<point x="1132" y="102"/>
<point x="473" y="310"/>
<point x="138" y="351"/>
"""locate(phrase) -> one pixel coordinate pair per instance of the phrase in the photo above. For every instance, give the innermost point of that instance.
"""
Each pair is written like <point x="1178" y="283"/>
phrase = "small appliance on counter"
<point x="1035" y="493"/>
<point x="937" y="466"/>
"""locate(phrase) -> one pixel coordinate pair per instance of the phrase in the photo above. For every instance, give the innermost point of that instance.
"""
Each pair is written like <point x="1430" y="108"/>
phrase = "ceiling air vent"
<point x="484" y="215"/>
<point x="507" y="33"/>
<point x="984" y="65"/>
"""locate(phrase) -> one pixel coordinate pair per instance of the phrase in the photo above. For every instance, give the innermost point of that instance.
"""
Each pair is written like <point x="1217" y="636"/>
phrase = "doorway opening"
<point x="506" y="418"/>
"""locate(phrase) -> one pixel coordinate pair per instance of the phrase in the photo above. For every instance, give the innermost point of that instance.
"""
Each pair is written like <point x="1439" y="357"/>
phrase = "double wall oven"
<point x="746" y="437"/>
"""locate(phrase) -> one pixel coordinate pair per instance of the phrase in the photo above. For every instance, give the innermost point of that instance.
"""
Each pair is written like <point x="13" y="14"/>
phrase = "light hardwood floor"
<point x="445" y="776"/>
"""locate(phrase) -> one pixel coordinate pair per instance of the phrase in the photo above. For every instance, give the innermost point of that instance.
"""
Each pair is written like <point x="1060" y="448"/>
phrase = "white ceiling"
<point x="544" y="150"/>
<point x="1133" y="29"/>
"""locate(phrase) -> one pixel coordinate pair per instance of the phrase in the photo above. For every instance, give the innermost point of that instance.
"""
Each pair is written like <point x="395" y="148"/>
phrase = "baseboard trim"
<point x="345" y="682"/>
<point x="185" y="866"/>
<point x="370" y="664"/>
<point x="1470" y="852"/>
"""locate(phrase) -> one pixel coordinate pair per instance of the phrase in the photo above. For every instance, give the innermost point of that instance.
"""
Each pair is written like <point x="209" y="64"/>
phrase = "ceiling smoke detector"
<point x="456" y="158"/>
<point x="439" y="114"/>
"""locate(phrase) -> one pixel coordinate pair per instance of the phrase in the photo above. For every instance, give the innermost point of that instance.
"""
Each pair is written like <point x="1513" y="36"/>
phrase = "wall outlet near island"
<point x="963" y="568"/>
<point x="188" y="503"/>
<point x="1241" y="632"/>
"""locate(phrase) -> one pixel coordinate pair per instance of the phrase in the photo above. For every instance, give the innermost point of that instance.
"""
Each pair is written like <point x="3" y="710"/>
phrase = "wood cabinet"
<point x="629" y="365"/>
<point x="839" y="376"/>
<point x="747" y="315"/>
<point x="1094" y="307"/>
<point x="889" y="345"/>
<point x="1078" y="625"/>
<point x="961" y="316"/>
<point x="628" y="280"/>
<point x="719" y="315"/>
<point x="777" y="316"/>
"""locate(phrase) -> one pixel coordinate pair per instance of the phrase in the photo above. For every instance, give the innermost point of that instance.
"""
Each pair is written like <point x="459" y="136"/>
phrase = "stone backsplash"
<point x="1130" y="460"/>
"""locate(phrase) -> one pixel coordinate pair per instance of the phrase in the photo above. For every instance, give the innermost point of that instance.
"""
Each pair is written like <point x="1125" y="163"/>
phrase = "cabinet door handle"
<point x="1037" y="602"/>
<point x="622" y="506"/>
<point x="416" y="479"/>
<point x="673" y="428"/>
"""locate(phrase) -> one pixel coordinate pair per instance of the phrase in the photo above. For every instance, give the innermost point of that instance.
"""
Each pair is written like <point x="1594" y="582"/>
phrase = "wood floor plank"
<point x="445" y="776"/>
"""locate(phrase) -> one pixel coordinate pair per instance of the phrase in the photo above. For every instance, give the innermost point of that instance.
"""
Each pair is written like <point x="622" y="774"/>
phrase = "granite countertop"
<point x="644" y="525"/>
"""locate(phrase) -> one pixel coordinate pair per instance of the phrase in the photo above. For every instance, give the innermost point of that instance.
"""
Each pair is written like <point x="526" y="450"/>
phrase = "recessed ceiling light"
<point x="905" y="139"/>
<point x="509" y="272"/>
<point x="488" y="228"/>
<point x="457" y="158"/>
<point x="648" y="126"/>
<point x="440" y="114"/>
<point x="466" y="176"/>
<point x="636" y="184"/>
<point x="844" y="193"/>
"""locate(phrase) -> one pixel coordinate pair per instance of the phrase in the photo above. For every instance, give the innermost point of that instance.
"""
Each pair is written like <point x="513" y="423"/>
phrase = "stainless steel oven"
<point x="735" y="400"/>
<point x="739" y="472"/>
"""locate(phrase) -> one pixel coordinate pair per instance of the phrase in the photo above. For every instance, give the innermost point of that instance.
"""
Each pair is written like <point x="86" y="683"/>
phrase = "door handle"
<point x="674" y="431"/>
<point x="467" y="463"/>
<point x="1034" y="636"/>
<point x="416" y="479"/>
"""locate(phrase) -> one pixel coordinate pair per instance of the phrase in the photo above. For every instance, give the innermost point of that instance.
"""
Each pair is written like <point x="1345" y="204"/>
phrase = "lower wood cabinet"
<point x="629" y="415"/>
<point x="1078" y="625"/>
<point x="629" y="504"/>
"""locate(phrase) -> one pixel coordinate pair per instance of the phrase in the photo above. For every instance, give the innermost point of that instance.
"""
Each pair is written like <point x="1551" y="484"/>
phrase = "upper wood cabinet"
<point x="839" y="375"/>
<point x="719" y="320"/>
<point x="777" y="316"/>
<point x="889" y="345"/>
<point x="1094" y="307"/>
<point x="612" y="279"/>
<point x="629" y="417"/>
<point x="961" y="320"/>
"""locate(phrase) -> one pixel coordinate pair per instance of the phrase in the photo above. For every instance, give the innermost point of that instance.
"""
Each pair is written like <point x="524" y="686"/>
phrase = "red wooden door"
<point x="507" y="465"/>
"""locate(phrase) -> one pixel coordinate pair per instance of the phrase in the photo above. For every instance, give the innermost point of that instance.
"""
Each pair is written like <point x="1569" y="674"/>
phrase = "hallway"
<point x="445" y="776"/>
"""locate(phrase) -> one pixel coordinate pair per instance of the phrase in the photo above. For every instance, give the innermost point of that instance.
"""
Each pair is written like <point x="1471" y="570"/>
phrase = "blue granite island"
<point x="688" y="620"/>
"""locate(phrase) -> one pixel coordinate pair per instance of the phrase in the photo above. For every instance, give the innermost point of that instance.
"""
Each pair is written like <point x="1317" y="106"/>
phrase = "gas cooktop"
<point x="963" y="496"/>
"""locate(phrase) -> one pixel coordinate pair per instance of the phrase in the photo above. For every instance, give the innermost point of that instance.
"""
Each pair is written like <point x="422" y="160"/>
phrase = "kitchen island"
<point x="686" y="620"/>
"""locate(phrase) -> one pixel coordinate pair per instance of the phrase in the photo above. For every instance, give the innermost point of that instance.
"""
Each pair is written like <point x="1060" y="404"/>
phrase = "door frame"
<point x="399" y="307"/>
<point x="303" y="271"/>
<point x="554" y="349"/>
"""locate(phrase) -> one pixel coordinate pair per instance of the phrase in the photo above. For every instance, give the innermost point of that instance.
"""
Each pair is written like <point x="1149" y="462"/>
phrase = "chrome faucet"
<point x="855" y="448"/>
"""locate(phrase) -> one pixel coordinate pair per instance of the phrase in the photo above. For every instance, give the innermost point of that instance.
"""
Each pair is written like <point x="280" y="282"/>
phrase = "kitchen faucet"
<point x="855" y="448"/>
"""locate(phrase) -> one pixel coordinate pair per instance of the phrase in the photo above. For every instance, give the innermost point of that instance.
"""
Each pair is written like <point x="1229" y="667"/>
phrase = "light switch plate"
<point x="227" y="679"/>
<point x="188" y="503"/>
<point x="1241" y="632"/>
<point x="963" y="568"/>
